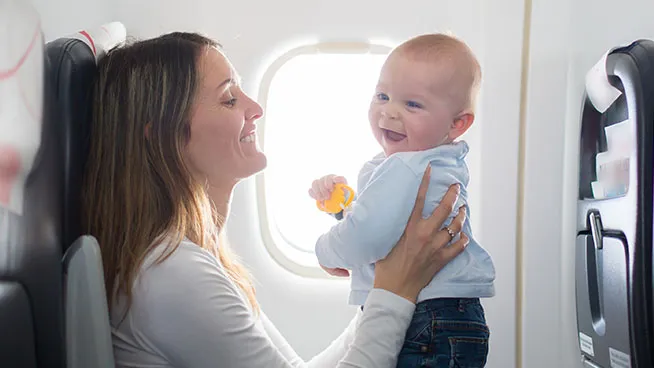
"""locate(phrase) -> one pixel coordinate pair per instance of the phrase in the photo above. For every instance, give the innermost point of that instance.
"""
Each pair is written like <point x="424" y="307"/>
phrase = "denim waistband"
<point x="433" y="304"/>
<point x="440" y="303"/>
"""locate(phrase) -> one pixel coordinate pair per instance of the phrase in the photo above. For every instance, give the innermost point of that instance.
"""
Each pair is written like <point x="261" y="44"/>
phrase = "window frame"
<point x="272" y="238"/>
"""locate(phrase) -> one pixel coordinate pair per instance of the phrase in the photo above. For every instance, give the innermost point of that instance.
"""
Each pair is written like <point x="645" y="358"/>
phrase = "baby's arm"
<point x="375" y="222"/>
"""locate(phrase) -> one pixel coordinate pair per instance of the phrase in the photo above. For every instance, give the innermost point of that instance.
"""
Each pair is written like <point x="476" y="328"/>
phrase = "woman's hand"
<point x="423" y="249"/>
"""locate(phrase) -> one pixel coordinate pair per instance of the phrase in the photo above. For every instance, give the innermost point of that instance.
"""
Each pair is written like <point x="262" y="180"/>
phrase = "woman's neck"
<point x="221" y="197"/>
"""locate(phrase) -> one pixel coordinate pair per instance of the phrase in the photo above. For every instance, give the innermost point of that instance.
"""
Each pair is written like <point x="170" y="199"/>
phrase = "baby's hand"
<point x="340" y="272"/>
<point x="321" y="189"/>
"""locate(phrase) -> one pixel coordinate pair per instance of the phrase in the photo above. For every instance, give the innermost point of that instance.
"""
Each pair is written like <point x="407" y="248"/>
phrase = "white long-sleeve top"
<point x="187" y="313"/>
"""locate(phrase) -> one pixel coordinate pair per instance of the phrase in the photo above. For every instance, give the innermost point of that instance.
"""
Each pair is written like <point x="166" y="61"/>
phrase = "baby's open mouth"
<point x="393" y="136"/>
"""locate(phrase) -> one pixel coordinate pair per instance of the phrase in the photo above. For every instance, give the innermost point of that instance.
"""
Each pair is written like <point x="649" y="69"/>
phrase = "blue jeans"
<point x="446" y="333"/>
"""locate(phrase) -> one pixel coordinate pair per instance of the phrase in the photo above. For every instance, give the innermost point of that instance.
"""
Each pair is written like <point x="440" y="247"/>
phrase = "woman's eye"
<point x="414" y="104"/>
<point x="231" y="102"/>
<point x="381" y="96"/>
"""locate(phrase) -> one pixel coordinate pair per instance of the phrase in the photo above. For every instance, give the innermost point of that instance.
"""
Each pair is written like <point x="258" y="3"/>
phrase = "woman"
<point x="172" y="135"/>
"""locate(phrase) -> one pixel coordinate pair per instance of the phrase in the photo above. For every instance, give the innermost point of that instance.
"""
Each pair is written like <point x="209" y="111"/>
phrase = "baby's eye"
<point x="414" y="104"/>
<point x="382" y="96"/>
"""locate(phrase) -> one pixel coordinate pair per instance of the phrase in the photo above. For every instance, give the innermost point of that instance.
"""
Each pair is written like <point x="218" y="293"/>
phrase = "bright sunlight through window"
<point x="316" y="123"/>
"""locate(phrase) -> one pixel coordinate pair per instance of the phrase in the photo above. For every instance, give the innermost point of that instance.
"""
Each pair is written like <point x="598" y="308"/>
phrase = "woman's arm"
<point x="188" y="310"/>
<point x="375" y="343"/>
<point x="381" y="331"/>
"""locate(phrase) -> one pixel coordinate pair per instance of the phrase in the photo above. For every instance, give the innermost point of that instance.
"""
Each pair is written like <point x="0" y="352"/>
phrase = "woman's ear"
<point x="146" y="131"/>
<point x="461" y="124"/>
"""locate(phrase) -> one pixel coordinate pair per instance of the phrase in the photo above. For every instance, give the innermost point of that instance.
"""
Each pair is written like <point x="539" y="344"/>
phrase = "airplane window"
<point x="316" y="123"/>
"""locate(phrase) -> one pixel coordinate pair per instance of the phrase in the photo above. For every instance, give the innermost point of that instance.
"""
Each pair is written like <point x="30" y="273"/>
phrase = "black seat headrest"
<point x="71" y="69"/>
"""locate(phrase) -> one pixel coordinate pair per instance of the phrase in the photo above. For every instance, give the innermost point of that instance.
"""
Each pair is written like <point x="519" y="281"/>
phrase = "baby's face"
<point x="411" y="110"/>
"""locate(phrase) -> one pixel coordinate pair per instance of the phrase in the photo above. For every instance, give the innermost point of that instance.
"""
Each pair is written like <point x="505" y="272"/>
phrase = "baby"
<point x="424" y="101"/>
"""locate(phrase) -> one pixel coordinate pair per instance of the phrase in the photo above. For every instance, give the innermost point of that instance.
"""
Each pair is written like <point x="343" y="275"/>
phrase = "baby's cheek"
<point x="376" y="132"/>
<point x="422" y="139"/>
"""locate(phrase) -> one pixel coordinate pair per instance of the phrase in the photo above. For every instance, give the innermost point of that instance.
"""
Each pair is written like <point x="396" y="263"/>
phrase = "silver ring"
<point x="449" y="232"/>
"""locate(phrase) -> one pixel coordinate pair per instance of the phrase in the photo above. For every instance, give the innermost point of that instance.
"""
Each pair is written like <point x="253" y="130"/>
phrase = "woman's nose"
<point x="253" y="112"/>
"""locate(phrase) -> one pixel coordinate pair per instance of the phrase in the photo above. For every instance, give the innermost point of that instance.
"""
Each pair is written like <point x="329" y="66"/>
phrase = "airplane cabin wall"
<point x="567" y="39"/>
<point x="63" y="17"/>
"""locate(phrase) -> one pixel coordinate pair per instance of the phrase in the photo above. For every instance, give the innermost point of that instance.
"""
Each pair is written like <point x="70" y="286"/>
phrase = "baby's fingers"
<point x="326" y="186"/>
<point x="339" y="179"/>
<point x="320" y="193"/>
<point x="321" y="189"/>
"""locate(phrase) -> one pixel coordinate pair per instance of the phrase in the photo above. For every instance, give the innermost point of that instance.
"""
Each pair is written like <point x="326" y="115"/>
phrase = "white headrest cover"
<point x="21" y="99"/>
<point x="102" y="39"/>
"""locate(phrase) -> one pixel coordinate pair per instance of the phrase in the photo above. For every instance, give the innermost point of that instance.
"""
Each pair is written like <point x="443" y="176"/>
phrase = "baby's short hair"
<point x="442" y="48"/>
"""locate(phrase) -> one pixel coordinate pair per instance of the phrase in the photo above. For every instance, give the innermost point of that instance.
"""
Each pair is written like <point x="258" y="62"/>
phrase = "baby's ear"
<point x="461" y="124"/>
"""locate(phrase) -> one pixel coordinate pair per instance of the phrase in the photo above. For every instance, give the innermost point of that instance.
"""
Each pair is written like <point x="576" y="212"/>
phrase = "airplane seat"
<point x="31" y="305"/>
<point x="70" y="71"/>
<point x="44" y="120"/>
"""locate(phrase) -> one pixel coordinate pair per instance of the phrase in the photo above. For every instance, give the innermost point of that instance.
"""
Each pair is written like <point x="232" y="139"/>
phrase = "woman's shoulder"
<point x="185" y="274"/>
<point x="170" y="256"/>
<point x="170" y="273"/>
<point x="179" y="303"/>
<point x="170" y="263"/>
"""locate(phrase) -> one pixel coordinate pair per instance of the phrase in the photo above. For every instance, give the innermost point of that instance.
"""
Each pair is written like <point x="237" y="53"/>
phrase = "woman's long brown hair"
<point x="138" y="190"/>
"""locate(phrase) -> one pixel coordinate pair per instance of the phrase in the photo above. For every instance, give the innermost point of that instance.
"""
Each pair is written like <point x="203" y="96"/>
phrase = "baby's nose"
<point x="389" y="112"/>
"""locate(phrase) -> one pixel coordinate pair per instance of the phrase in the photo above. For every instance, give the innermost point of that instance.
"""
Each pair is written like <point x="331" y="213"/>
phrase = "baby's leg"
<point x="446" y="333"/>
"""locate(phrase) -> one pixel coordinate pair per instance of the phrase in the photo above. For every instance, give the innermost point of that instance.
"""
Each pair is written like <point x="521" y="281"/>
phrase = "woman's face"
<point x="223" y="147"/>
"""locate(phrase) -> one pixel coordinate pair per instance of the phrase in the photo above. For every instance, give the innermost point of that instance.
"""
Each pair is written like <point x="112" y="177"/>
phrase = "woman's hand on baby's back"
<point x="321" y="189"/>
<point x="424" y="248"/>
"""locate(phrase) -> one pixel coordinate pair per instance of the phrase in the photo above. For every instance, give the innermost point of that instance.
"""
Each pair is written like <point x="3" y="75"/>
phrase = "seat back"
<point x="71" y="65"/>
<point x="31" y="304"/>
<point x="614" y="250"/>
<point x="71" y="69"/>
<point x="88" y="333"/>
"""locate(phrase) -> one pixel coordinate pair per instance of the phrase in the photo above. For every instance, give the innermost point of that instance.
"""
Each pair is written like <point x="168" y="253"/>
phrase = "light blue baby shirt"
<point x="386" y="194"/>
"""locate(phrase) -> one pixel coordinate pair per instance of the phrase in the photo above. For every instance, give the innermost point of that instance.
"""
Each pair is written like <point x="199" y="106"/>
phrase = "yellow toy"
<point x="342" y="197"/>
